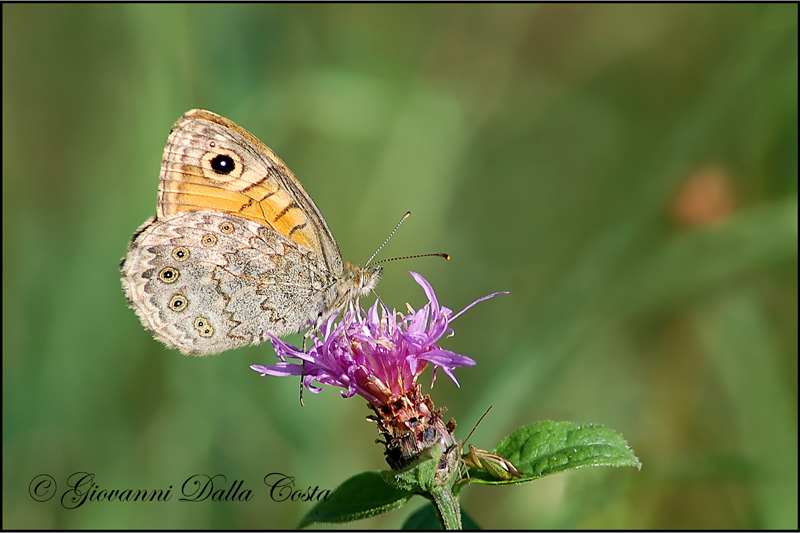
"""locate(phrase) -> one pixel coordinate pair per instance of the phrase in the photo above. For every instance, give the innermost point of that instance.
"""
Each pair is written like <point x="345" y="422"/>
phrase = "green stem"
<point x="447" y="508"/>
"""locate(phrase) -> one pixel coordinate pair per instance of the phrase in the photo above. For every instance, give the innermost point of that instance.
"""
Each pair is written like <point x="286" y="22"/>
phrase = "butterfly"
<point x="237" y="248"/>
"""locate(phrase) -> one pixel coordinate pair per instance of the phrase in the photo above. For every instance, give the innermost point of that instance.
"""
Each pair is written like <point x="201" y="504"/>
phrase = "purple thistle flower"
<point x="376" y="355"/>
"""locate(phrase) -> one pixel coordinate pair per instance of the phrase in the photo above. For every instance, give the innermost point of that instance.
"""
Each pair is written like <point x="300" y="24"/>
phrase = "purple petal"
<point x="279" y="369"/>
<point x="479" y="300"/>
<point x="376" y="353"/>
<point x="446" y="358"/>
<point x="452" y="376"/>
<point x="428" y="290"/>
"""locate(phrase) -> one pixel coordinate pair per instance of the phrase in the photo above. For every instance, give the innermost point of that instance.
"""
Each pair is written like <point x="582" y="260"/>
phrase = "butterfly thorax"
<point x="354" y="282"/>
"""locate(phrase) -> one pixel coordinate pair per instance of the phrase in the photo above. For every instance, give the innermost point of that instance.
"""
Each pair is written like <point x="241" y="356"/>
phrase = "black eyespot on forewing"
<point x="223" y="164"/>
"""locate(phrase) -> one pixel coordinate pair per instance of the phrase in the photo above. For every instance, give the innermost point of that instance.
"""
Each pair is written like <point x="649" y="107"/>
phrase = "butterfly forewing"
<point x="211" y="163"/>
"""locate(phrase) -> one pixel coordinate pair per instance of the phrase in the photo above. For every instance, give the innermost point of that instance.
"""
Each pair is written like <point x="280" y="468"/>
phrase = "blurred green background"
<point x="627" y="172"/>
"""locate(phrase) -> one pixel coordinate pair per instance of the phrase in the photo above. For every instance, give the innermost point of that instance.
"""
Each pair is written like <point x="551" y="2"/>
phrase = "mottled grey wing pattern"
<point x="205" y="282"/>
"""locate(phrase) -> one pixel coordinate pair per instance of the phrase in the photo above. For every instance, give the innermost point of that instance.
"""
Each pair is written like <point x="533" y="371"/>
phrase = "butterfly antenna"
<point x="408" y="214"/>
<point x="446" y="256"/>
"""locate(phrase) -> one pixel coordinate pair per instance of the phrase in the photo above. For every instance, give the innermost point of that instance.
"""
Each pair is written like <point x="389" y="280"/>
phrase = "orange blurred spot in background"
<point x="707" y="196"/>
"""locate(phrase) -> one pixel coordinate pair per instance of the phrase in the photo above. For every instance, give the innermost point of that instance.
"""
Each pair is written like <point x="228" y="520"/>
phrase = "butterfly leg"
<point x="303" y="375"/>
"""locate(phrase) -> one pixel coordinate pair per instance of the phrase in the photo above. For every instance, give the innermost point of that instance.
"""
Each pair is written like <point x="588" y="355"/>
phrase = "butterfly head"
<point x="357" y="281"/>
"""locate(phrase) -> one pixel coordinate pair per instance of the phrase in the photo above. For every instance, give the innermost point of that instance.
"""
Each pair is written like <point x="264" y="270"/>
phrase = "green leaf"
<point x="547" y="448"/>
<point x="419" y="476"/>
<point x="425" y="519"/>
<point x="362" y="496"/>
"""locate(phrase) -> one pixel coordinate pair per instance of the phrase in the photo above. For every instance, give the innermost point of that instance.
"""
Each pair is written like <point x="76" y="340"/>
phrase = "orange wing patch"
<point x="251" y="190"/>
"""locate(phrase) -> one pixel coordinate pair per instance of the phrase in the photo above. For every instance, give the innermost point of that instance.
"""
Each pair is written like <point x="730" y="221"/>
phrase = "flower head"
<point x="377" y="354"/>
